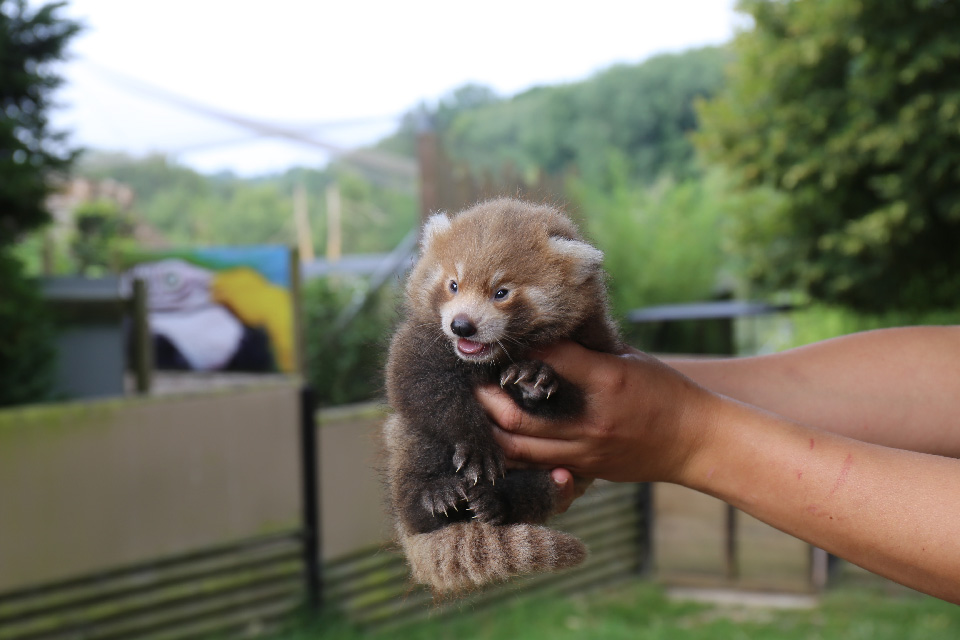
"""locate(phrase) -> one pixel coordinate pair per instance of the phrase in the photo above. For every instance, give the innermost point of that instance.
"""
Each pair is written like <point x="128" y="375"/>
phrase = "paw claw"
<point x="537" y="381"/>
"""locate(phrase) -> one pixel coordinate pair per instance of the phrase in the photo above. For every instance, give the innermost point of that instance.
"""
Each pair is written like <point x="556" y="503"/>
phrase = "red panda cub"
<point x="492" y="283"/>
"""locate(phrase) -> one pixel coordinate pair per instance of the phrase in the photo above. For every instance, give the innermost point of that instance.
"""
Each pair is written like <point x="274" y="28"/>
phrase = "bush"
<point x="662" y="244"/>
<point x="27" y="356"/>
<point x="345" y="365"/>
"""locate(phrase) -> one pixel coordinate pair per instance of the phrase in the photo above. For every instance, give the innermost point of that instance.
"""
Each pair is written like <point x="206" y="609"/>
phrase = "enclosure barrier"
<point x="372" y="587"/>
<point x="235" y="590"/>
<point x="156" y="518"/>
<point x="194" y="516"/>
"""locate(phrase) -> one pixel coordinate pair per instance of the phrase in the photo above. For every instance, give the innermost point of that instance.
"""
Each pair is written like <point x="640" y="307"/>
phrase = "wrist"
<point x="709" y="424"/>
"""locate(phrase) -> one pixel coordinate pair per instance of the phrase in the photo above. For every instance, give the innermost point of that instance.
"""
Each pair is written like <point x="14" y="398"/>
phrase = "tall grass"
<point x="662" y="243"/>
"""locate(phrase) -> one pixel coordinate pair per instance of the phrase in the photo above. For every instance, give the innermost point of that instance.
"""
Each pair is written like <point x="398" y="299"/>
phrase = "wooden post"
<point x="730" y="550"/>
<point x="334" y="223"/>
<point x="645" y="511"/>
<point x="296" y="300"/>
<point x="141" y="339"/>
<point x="310" y="477"/>
<point x="819" y="568"/>
<point x="301" y="221"/>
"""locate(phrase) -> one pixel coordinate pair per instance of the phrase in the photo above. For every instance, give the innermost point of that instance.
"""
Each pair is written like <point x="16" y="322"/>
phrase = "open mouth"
<point x="471" y="349"/>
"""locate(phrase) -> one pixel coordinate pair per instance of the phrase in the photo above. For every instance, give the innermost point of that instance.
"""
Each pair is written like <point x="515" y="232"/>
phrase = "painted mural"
<point x="219" y="308"/>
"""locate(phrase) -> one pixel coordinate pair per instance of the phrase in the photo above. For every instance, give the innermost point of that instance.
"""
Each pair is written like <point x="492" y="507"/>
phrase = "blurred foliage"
<point x="661" y="243"/>
<point x="670" y="242"/>
<point x="345" y="364"/>
<point x="102" y="232"/>
<point x="31" y="155"/>
<point x="820" y="321"/>
<point x="644" y="111"/>
<point x="851" y="110"/>
<point x="30" y="152"/>
<point x="191" y="209"/>
<point x="26" y="338"/>
<point x="437" y="117"/>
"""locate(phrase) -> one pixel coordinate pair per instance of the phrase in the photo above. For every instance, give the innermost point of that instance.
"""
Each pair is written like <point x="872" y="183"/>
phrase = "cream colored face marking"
<point x="539" y="299"/>
<point x="434" y="276"/>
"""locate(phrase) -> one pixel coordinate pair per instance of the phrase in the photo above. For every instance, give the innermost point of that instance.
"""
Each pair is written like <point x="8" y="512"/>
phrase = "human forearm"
<point x="894" y="387"/>
<point x="891" y="511"/>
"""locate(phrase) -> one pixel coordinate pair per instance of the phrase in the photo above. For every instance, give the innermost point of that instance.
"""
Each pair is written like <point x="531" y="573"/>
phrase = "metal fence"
<point x="65" y="576"/>
<point x="191" y="516"/>
<point x="234" y="590"/>
<point x="372" y="587"/>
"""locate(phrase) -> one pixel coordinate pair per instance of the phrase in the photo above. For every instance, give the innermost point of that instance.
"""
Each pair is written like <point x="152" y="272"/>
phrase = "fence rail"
<point x="372" y="587"/>
<point x="171" y="578"/>
<point x="234" y="589"/>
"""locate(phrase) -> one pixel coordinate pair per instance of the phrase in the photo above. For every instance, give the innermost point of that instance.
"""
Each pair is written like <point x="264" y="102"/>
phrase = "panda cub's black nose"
<point x="463" y="327"/>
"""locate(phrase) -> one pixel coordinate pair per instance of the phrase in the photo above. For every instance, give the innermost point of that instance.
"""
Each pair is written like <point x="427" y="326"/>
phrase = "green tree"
<point x="26" y="338"/>
<point x="438" y="117"/>
<point x="30" y="153"/>
<point x="643" y="111"/>
<point x="851" y="110"/>
<point x="662" y="243"/>
<point x="29" y="150"/>
<point x="102" y="232"/>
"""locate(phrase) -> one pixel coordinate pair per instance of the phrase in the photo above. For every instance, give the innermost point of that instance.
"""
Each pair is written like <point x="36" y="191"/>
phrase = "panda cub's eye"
<point x="501" y="294"/>
<point x="453" y="286"/>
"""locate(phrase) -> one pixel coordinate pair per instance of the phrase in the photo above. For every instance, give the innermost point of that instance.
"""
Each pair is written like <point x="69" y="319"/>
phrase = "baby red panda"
<point x="491" y="283"/>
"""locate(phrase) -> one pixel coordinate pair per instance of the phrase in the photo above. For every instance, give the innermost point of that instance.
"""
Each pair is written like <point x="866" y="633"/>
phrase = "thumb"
<point x="563" y="480"/>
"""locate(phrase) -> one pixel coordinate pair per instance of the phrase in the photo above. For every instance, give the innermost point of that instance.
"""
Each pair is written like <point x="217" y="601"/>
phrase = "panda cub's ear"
<point x="586" y="259"/>
<point x="435" y="225"/>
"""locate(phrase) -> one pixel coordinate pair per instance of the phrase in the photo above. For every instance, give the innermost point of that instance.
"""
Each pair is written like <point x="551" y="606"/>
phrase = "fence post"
<point x="140" y="338"/>
<point x="311" y="501"/>
<point x="645" y="534"/>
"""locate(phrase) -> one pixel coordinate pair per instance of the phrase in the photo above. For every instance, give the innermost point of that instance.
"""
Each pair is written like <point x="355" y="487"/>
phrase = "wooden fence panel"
<point x="372" y="587"/>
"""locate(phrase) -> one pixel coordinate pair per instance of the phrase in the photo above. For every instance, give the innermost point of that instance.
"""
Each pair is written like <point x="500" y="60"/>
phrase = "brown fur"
<point x="491" y="283"/>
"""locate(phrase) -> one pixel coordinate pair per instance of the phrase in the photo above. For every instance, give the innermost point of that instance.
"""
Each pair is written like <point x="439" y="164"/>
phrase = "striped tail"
<point x="465" y="555"/>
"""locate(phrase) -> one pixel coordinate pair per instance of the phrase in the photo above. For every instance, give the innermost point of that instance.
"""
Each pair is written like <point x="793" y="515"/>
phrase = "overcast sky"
<point x="321" y="67"/>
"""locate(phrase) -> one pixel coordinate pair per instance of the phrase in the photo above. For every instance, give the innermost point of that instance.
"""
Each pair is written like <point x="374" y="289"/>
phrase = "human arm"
<point x="895" y="387"/>
<point x="892" y="511"/>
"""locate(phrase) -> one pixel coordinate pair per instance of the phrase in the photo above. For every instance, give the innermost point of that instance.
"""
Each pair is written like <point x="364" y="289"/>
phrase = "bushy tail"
<point x="465" y="555"/>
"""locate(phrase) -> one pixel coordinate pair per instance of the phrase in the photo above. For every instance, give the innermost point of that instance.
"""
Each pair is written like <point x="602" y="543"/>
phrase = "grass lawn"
<point x="641" y="610"/>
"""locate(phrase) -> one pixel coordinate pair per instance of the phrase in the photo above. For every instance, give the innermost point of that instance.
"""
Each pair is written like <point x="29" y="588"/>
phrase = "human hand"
<point x="641" y="421"/>
<point x="569" y="487"/>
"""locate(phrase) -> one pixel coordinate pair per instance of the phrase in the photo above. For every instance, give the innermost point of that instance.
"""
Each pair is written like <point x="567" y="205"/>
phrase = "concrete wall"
<point x="351" y="500"/>
<point x="85" y="487"/>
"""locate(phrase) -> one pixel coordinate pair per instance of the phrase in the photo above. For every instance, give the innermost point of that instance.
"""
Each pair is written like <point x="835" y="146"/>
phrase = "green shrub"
<point x="820" y="321"/>
<point x="662" y="243"/>
<point x="27" y="355"/>
<point x="345" y="364"/>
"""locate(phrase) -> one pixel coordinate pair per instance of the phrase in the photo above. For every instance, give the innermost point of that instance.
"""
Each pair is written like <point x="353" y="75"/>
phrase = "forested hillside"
<point x="643" y="112"/>
<point x="188" y="208"/>
<point x="629" y="122"/>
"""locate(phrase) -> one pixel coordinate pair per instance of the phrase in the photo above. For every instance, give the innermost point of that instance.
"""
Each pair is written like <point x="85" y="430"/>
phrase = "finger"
<point x="543" y="452"/>
<point x="504" y="412"/>
<point x="563" y="480"/>
<point x="521" y="465"/>
<point x="572" y="361"/>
